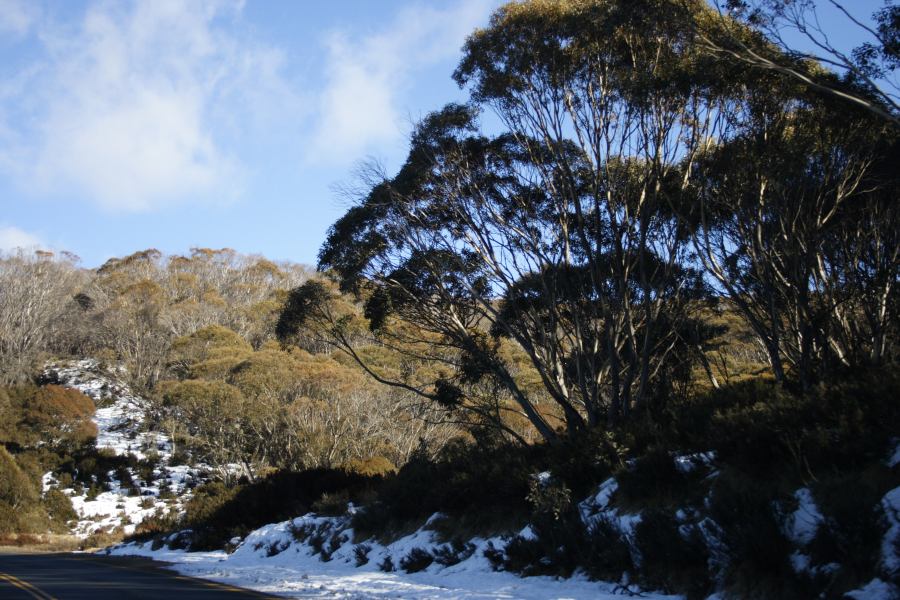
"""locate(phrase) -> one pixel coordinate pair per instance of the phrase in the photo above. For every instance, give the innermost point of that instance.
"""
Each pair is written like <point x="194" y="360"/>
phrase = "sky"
<point x="168" y="124"/>
<point x="211" y="123"/>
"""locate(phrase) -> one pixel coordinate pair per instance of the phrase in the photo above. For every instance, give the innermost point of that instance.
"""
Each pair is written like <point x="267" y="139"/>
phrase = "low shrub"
<point x="60" y="510"/>
<point x="157" y="525"/>
<point x="387" y="564"/>
<point x="375" y="466"/>
<point x="361" y="554"/>
<point x="606" y="551"/>
<point x="453" y="553"/>
<point x="102" y="539"/>
<point x="217" y="513"/>
<point x="417" y="560"/>
<point x="674" y="557"/>
<point x="16" y="488"/>
<point x="655" y="480"/>
<point x="852" y="530"/>
<point x="332" y="504"/>
<point x="757" y="553"/>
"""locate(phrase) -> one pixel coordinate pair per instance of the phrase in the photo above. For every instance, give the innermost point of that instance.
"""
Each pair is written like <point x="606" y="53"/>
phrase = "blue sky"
<point x="129" y="125"/>
<point x="217" y="123"/>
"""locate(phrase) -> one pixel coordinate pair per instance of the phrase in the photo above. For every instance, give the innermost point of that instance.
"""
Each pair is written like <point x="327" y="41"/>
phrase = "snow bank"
<point x="272" y="560"/>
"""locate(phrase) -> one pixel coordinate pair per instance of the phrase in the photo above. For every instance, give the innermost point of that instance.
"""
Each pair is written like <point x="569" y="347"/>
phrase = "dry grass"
<point x="45" y="542"/>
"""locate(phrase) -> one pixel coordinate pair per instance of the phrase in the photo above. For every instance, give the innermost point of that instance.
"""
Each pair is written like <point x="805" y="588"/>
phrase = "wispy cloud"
<point x="16" y="17"/>
<point x="360" y="107"/>
<point x="130" y="106"/>
<point x="12" y="238"/>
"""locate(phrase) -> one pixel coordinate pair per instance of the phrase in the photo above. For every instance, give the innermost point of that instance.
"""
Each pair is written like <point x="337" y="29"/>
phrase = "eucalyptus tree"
<point x="803" y="45"/>
<point x="560" y="233"/>
<point x="799" y="227"/>
<point x="34" y="290"/>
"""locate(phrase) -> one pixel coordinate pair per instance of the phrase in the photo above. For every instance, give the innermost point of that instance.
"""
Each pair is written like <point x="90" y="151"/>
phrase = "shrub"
<point x="9" y="519"/>
<point x="102" y="539"/>
<point x="157" y="525"/>
<point x="332" y="505"/>
<point x="674" y="557"/>
<point x="217" y="513"/>
<point x="453" y="553"/>
<point x="759" y="426"/>
<point x="387" y="564"/>
<point x="361" y="554"/>
<point x="16" y="488"/>
<point x="375" y="466"/>
<point x="654" y="479"/>
<point x="463" y="480"/>
<point x="417" y="560"/>
<point x="59" y="507"/>
<point x="756" y="550"/>
<point x="606" y="551"/>
<point x="852" y="530"/>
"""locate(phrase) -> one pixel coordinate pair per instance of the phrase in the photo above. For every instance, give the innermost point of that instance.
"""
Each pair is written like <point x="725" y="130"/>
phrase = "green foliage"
<point x="464" y="479"/>
<point x="853" y="527"/>
<point x="60" y="510"/>
<point x="417" y="560"/>
<point x="453" y="553"/>
<point x="760" y="426"/>
<point x="655" y="479"/>
<point x="374" y="466"/>
<point x="217" y="512"/>
<point x="673" y="556"/>
<point x="756" y="550"/>
<point x="17" y="490"/>
<point x="50" y="415"/>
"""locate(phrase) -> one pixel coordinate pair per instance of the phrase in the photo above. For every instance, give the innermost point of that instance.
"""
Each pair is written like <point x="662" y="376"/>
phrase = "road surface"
<point x="89" y="577"/>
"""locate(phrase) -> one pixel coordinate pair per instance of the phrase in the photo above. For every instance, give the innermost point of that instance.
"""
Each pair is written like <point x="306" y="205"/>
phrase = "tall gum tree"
<point x="560" y="233"/>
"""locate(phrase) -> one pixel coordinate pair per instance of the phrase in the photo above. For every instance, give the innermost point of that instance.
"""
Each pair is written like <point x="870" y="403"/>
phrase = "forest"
<point x="654" y="231"/>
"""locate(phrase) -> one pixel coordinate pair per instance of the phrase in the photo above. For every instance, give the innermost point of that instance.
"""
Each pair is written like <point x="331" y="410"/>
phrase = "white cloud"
<point x="360" y="108"/>
<point x="12" y="238"/>
<point x="16" y="17"/>
<point x="136" y="104"/>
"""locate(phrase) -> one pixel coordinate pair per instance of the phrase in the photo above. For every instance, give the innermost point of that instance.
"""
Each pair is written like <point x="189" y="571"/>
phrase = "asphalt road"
<point x="89" y="577"/>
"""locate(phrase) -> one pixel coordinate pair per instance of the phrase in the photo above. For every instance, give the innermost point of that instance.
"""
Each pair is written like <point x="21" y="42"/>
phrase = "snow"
<point x="894" y="459"/>
<point x="272" y="561"/>
<point x="805" y="520"/>
<point x="687" y="463"/>
<point x="121" y="428"/>
<point x="890" y="561"/>
<point x="875" y="590"/>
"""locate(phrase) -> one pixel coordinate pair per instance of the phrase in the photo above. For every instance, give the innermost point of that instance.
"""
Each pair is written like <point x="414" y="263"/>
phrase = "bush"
<point x="157" y="525"/>
<point x="453" y="553"/>
<point x="756" y="551"/>
<point x="387" y="564"/>
<point x="759" y="426"/>
<point x="674" y="557"/>
<point x="59" y="507"/>
<point x="217" y="513"/>
<point x="852" y="531"/>
<point x="417" y="560"/>
<point x="606" y="551"/>
<point x="361" y="554"/>
<point x="655" y="480"/>
<point x="464" y="480"/>
<point x="16" y="488"/>
<point x="375" y="466"/>
<point x="332" y="505"/>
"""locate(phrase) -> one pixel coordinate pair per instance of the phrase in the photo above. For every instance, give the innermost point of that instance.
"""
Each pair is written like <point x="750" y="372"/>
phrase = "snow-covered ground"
<point x="272" y="559"/>
<point x="120" y="418"/>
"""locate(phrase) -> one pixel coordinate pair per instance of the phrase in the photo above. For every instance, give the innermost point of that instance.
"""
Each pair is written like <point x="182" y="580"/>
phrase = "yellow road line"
<point x="25" y="587"/>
